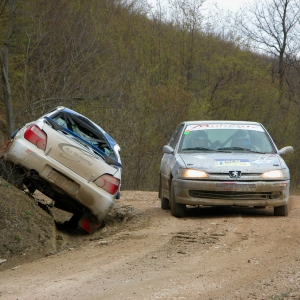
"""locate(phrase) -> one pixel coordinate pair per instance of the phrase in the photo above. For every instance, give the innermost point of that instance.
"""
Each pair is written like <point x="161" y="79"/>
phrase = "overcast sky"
<point x="231" y="5"/>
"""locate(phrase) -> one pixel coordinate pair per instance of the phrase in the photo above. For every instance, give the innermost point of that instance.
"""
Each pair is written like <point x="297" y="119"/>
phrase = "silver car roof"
<point x="221" y="122"/>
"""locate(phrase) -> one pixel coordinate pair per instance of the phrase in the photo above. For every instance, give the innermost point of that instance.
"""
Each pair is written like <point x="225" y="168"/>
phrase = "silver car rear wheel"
<point x="281" y="210"/>
<point x="178" y="210"/>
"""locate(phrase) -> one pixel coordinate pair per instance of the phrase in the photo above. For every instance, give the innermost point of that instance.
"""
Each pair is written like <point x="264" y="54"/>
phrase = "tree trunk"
<point x="7" y="97"/>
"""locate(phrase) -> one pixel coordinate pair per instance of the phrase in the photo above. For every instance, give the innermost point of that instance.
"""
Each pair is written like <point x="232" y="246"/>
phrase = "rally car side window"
<point x="175" y="136"/>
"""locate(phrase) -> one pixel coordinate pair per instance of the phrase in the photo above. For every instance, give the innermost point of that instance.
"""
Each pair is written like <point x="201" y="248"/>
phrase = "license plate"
<point x="63" y="181"/>
<point x="232" y="186"/>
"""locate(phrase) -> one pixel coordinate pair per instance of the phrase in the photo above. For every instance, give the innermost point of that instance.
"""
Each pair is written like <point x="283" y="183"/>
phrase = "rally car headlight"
<point x="192" y="173"/>
<point x="273" y="174"/>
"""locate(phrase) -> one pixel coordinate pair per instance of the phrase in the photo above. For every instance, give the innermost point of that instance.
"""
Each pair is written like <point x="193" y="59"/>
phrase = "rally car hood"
<point x="224" y="162"/>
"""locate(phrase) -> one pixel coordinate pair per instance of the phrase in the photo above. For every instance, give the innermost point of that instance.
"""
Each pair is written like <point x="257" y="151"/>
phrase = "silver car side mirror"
<point x="286" y="150"/>
<point x="168" y="149"/>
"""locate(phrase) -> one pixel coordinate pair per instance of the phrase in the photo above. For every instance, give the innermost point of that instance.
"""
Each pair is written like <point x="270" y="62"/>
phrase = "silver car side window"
<point x="175" y="136"/>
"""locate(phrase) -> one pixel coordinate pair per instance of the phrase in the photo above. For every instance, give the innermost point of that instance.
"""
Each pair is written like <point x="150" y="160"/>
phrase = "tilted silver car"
<point x="226" y="163"/>
<point x="71" y="160"/>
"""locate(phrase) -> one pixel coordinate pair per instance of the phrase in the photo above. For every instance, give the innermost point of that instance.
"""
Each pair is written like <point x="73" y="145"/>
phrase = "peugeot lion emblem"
<point x="235" y="174"/>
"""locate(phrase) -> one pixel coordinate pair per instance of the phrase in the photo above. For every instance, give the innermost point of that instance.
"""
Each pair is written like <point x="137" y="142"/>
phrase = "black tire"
<point x="164" y="204"/>
<point x="178" y="210"/>
<point x="282" y="210"/>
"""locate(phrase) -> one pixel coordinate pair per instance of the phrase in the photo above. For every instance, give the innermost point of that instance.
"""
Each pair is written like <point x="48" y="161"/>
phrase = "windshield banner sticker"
<point x="232" y="162"/>
<point x="190" y="128"/>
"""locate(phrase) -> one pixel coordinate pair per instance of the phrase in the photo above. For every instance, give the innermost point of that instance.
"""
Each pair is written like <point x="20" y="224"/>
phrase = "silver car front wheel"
<point x="281" y="210"/>
<point x="178" y="210"/>
<point x="164" y="201"/>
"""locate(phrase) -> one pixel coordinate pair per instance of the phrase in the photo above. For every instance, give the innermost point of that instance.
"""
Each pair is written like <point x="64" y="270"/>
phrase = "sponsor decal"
<point x="74" y="154"/>
<point x="31" y="153"/>
<point x="190" y="128"/>
<point x="263" y="160"/>
<point x="200" y="157"/>
<point x="232" y="162"/>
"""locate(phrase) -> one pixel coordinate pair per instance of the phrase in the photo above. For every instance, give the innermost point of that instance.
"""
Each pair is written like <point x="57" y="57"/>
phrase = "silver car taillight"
<point x="108" y="183"/>
<point x="36" y="136"/>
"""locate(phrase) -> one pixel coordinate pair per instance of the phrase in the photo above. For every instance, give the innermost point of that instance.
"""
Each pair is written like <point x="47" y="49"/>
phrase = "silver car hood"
<point x="224" y="162"/>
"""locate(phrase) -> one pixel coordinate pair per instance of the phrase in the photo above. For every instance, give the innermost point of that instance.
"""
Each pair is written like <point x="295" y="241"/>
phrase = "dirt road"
<point x="212" y="254"/>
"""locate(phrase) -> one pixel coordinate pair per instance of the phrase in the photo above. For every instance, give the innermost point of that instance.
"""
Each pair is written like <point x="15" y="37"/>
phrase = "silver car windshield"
<point x="225" y="137"/>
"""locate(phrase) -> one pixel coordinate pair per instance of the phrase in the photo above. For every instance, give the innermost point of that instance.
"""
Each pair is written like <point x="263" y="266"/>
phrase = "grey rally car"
<point x="223" y="163"/>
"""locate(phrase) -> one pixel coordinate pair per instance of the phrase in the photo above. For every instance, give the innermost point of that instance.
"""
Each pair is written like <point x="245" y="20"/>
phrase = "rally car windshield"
<point x="227" y="138"/>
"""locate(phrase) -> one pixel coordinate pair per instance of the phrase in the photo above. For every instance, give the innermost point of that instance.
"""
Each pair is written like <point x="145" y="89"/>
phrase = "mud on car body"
<point x="71" y="160"/>
<point x="223" y="163"/>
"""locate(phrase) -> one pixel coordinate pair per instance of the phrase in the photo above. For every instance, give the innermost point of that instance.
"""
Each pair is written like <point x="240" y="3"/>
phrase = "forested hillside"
<point x="138" y="74"/>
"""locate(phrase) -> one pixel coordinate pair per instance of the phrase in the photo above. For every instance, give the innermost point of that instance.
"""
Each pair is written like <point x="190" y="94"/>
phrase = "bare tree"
<point x="273" y="26"/>
<point x="9" y="7"/>
<point x="187" y="15"/>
